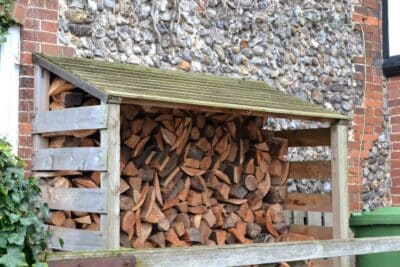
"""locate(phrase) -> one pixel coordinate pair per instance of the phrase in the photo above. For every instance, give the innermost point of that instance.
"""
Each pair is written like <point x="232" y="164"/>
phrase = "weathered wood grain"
<point x="306" y="137"/>
<point x="340" y="197"/>
<point x="81" y="118"/>
<point x="76" y="199"/>
<point x="310" y="170"/>
<point x="236" y="255"/>
<point x="318" y="232"/>
<point x="79" y="158"/>
<point x="74" y="239"/>
<point x="308" y="202"/>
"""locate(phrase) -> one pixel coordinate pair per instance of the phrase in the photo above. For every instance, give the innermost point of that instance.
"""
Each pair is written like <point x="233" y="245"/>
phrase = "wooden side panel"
<point x="306" y="137"/>
<point x="308" y="202"/>
<point x="74" y="239"/>
<point x="76" y="199"/>
<point x="314" y="218"/>
<point x="318" y="232"/>
<point x="110" y="222"/>
<point x="310" y="170"/>
<point x="77" y="158"/>
<point x="340" y="198"/>
<point x="41" y="102"/>
<point x="81" y="118"/>
<point x="328" y="219"/>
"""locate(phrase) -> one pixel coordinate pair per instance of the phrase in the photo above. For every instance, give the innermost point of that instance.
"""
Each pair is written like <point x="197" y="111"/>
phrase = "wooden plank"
<point x="288" y="216"/>
<point x="237" y="255"/>
<point x="41" y="102"/>
<point x="310" y="170"/>
<point x="81" y="118"/>
<point x="298" y="217"/>
<point x="318" y="232"/>
<point x="308" y="202"/>
<point x="314" y="218"/>
<point x="56" y="173"/>
<point x="328" y="219"/>
<point x="77" y="158"/>
<point x="76" y="199"/>
<point x="340" y="198"/>
<point x="75" y="239"/>
<point x="306" y="137"/>
<point x="110" y="223"/>
<point x="323" y="263"/>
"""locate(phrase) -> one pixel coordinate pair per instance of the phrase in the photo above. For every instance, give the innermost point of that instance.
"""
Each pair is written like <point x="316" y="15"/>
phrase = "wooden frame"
<point x="106" y="118"/>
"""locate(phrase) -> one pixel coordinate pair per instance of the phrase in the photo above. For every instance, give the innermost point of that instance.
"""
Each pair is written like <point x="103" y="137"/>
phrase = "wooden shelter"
<point x="116" y="84"/>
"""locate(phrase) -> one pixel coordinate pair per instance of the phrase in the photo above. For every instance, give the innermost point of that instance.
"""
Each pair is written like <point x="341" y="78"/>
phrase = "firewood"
<point x="259" y="217"/>
<point x="277" y="215"/>
<point x="171" y="203"/>
<point x="136" y="126"/>
<point x="146" y="229"/>
<point x="277" y="194"/>
<point x="156" y="186"/>
<point x="138" y="244"/>
<point x="182" y="207"/>
<point x="192" y="235"/>
<point x="222" y="190"/>
<point x="232" y="154"/>
<point x="279" y="147"/>
<point x="205" y="163"/>
<point x="68" y="99"/>
<point x="179" y="228"/>
<point x="235" y="201"/>
<point x="171" y="176"/>
<point x="287" y="237"/>
<point x="130" y="169"/>
<point x="93" y="227"/>
<point x="269" y="224"/>
<point x="61" y="182"/>
<point x="83" y="182"/>
<point x="281" y="179"/>
<point x="237" y="191"/>
<point x="197" y="209"/>
<point x="57" y="218"/>
<point x="155" y="215"/>
<point x="64" y="141"/>
<point x="55" y="106"/>
<point x="195" y="153"/>
<point x="132" y="141"/>
<point x="149" y="203"/>
<point x="129" y="111"/>
<point x="192" y="163"/>
<point x="191" y="171"/>
<point x="251" y="182"/>
<point x="203" y="144"/>
<point x="123" y="186"/>
<point x="222" y="176"/>
<point x="168" y="137"/>
<point x="139" y="147"/>
<point x="158" y="239"/>
<point x="245" y="213"/>
<point x="58" y="86"/>
<point x="79" y="213"/>
<point x="168" y="124"/>
<point x="147" y="174"/>
<point x="138" y="220"/>
<point x="84" y="220"/>
<point x="231" y="128"/>
<point x="148" y="126"/>
<point x="194" y="198"/>
<point x="249" y="169"/>
<point x="69" y="223"/>
<point x="124" y="240"/>
<point x="83" y="133"/>
<point x="209" y="217"/>
<point x="194" y="133"/>
<point x="281" y="227"/>
<point x="263" y="146"/>
<point x="163" y="225"/>
<point x="253" y="230"/>
<point x="220" y="237"/>
<point x="88" y="142"/>
<point x="205" y="232"/>
<point x="275" y="169"/>
<point x="126" y="202"/>
<point x="143" y="196"/>
<point x="237" y="170"/>
<point x="264" y="186"/>
<point x="222" y="145"/>
<point x="230" y="220"/>
<point x="185" y="191"/>
<point x="171" y="237"/>
<point x="239" y="233"/>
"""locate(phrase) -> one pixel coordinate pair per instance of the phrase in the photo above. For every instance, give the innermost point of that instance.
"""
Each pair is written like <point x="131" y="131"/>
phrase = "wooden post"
<point x="41" y="102"/>
<point x="340" y="199"/>
<point x="110" y="179"/>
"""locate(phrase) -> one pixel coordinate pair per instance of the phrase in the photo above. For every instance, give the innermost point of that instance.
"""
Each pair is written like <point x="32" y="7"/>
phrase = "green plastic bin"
<point x="380" y="222"/>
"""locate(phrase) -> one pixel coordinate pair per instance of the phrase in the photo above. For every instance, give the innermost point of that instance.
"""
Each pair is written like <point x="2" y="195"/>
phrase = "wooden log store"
<point x="139" y="157"/>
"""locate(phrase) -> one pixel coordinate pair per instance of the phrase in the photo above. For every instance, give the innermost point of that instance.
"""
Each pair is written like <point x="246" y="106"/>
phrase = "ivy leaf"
<point x="16" y="238"/>
<point x="40" y="264"/>
<point x="13" y="258"/>
<point x="61" y="242"/>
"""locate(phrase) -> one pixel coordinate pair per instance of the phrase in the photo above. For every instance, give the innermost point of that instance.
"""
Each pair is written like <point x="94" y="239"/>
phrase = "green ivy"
<point x="5" y="18"/>
<point x="23" y="234"/>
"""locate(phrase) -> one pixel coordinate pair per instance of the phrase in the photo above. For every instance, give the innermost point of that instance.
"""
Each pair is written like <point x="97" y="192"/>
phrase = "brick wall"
<point x="393" y="84"/>
<point x="38" y="20"/>
<point x="368" y="117"/>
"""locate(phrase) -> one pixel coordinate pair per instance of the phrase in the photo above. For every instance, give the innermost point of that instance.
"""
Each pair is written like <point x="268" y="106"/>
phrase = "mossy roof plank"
<point x="153" y="84"/>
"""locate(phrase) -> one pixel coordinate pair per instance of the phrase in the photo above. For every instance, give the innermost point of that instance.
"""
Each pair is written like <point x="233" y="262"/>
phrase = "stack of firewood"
<point x="186" y="177"/>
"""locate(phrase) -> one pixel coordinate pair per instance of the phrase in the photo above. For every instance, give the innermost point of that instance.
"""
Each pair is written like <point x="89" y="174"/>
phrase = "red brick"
<point x="19" y="13"/>
<point x="37" y="3"/>
<point x="49" y="26"/>
<point x="25" y="128"/>
<point x="51" y="4"/>
<point x="41" y="13"/>
<point x="39" y="36"/>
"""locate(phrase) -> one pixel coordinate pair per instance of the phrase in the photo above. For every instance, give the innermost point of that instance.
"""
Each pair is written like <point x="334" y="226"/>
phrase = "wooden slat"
<point x="310" y="170"/>
<point x="308" y="202"/>
<point x="110" y="180"/>
<point x="314" y="218"/>
<point x="306" y="137"/>
<point x="77" y="158"/>
<point x="328" y="220"/>
<point x="76" y="199"/>
<point x="55" y="174"/>
<point x="75" y="239"/>
<point x="41" y="102"/>
<point x="81" y="118"/>
<point x="237" y="255"/>
<point x="323" y="263"/>
<point x="298" y="217"/>
<point x="318" y="232"/>
<point x="340" y="186"/>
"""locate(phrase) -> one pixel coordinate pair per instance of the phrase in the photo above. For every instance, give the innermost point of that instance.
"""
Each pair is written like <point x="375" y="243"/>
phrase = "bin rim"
<point x="384" y="215"/>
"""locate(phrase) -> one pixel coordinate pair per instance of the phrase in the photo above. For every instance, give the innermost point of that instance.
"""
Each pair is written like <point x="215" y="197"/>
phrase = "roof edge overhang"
<point x="119" y="97"/>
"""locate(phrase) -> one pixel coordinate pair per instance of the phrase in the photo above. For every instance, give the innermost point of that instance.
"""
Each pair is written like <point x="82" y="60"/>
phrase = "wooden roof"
<point x="115" y="81"/>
